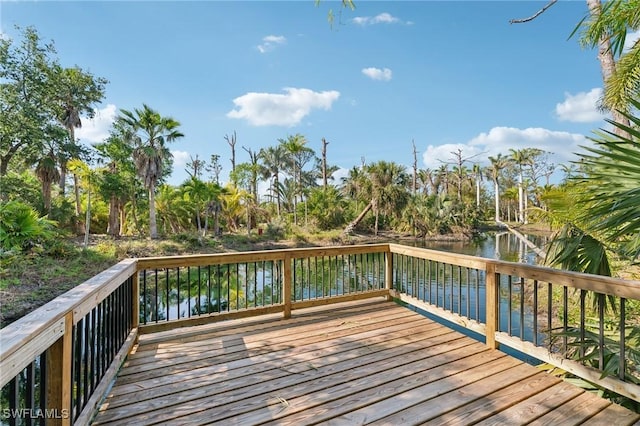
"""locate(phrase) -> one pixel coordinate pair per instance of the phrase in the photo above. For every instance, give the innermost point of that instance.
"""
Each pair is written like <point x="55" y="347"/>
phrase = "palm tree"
<point x="521" y="158"/>
<point x="273" y="159"/>
<point x="298" y="154"/>
<point x="82" y="171"/>
<point x="354" y="185"/>
<point x="388" y="188"/>
<point x="150" y="132"/>
<point x="172" y="209"/>
<point x="606" y="27"/>
<point x="606" y="204"/>
<point x="117" y="183"/>
<point x="47" y="173"/>
<point x="498" y="163"/>
<point x="195" y="193"/>
<point x="477" y="174"/>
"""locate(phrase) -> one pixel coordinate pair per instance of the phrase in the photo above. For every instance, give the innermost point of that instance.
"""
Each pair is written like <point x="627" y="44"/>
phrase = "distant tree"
<point x="77" y="93"/>
<point x="327" y="207"/>
<point x="195" y="167"/>
<point x="117" y="182"/>
<point x="47" y="173"/>
<point x="497" y="164"/>
<point x="299" y="154"/>
<point x="273" y="161"/>
<point x="149" y="132"/>
<point x="232" y="140"/>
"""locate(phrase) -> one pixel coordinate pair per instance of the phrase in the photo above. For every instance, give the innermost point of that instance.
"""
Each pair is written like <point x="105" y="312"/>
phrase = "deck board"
<point x="365" y="362"/>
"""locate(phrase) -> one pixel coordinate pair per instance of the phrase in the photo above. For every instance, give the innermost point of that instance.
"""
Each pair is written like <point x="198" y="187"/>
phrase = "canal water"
<point x="500" y="245"/>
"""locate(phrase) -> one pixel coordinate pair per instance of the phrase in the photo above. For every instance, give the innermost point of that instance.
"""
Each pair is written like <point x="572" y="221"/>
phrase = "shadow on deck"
<point x="366" y="362"/>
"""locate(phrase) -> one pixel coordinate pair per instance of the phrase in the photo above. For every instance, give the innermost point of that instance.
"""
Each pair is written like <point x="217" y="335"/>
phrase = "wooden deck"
<point x="371" y="362"/>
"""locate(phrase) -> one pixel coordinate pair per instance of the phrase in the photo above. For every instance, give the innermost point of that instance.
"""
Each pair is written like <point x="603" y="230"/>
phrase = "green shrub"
<point x="21" y="229"/>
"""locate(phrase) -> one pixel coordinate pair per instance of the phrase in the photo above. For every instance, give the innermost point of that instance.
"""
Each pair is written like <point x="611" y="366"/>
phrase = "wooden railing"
<point x="58" y="361"/>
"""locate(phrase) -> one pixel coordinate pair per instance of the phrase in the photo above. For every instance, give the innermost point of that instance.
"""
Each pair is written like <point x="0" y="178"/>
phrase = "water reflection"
<point x="499" y="245"/>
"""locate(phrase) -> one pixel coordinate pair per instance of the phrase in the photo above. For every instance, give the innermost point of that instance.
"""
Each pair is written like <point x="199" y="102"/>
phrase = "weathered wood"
<point x="338" y="299"/>
<point x="441" y="256"/>
<point x="241" y="387"/>
<point x="255" y="256"/>
<point x="208" y="318"/>
<point x="59" y="359"/>
<point x="24" y="355"/>
<point x="606" y="285"/>
<point x="30" y="327"/>
<point x="630" y="390"/>
<point x="107" y="380"/>
<point x="417" y="406"/>
<point x="344" y="366"/>
<point x="467" y="323"/>
<point x="531" y="408"/>
<point x="492" y="307"/>
<point x="135" y="296"/>
<point x="576" y="411"/>
<point x="89" y="294"/>
<point x="486" y="376"/>
<point x="286" y="286"/>
<point x="621" y="415"/>
<point x="480" y="407"/>
<point x="388" y="273"/>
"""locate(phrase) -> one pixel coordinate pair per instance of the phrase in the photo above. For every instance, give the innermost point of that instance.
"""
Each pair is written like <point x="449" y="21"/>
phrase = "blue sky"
<point x="448" y="75"/>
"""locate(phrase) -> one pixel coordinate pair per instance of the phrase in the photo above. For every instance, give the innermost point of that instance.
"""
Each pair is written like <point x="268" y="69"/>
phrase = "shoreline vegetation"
<point x="29" y="281"/>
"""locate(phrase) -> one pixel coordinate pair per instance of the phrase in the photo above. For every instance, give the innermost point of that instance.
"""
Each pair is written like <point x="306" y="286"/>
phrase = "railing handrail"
<point x="629" y="289"/>
<point x="44" y="322"/>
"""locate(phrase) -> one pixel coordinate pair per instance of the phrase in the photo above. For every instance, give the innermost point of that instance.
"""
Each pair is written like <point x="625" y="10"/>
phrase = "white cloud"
<point x="180" y="158"/>
<point x="270" y="42"/>
<point x="339" y="174"/>
<point x="383" y="18"/>
<point x="581" y="107"/>
<point x="96" y="129"/>
<point x="630" y="40"/>
<point x="562" y="146"/>
<point x="384" y="74"/>
<point x="274" y="109"/>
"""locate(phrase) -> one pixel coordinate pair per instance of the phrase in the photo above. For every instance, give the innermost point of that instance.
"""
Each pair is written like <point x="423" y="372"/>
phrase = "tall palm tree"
<point x="388" y="188"/>
<point x="149" y="134"/>
<point x="118" y="178"/>
<point x="494" y="170"/>
<point x="477" y="174"/>
<point x="47" y="173"/>
<point x="273" y="161"/>
<point x="295" y="147"/>
<point x="606" y="28"/>
<point x="521" y="158"/>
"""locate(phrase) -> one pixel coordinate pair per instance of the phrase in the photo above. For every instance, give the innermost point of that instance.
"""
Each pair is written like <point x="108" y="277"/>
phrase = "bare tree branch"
<point x="538" y="13"/>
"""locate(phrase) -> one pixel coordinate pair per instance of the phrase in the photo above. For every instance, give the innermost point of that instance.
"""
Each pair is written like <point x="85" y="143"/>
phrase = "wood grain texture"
<point x="361" y="362"/>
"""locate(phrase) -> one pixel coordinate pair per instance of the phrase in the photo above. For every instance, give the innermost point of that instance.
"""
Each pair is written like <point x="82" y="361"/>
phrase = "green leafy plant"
<point x="21" y="229"/>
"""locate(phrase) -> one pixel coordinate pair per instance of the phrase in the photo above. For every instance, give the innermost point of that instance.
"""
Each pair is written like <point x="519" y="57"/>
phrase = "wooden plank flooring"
<point x="367" y="362"/>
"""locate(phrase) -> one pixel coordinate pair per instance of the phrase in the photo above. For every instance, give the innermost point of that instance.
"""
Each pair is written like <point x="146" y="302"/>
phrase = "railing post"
<point x="491" y="307"/>
<point x="388" y="273"/>
<point x="286" y="286"/>
<point x="59" y="359"/>
<point x="135" y="300"/>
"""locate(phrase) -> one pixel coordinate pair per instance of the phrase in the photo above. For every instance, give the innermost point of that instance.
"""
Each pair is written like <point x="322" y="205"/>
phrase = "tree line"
<point x="119" y="186"/>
